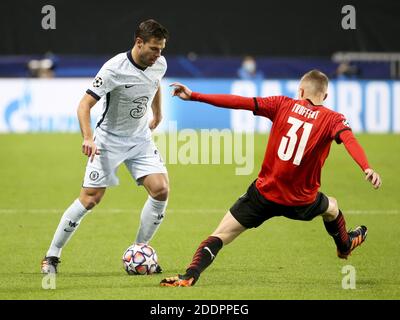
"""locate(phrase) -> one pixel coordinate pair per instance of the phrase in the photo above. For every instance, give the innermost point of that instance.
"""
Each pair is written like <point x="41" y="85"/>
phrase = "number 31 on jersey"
<point x="289" y="142"/>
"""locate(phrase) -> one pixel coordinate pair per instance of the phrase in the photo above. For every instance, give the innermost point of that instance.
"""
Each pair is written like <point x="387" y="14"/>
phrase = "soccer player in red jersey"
<point x="288" y="183"/>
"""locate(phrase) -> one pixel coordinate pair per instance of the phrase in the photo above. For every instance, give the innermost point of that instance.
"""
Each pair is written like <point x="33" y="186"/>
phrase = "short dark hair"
<point x="151" y="29"/>
<point x="318" y="79"/>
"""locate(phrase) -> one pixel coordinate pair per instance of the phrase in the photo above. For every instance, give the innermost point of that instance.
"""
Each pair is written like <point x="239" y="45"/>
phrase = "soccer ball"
<point x="140" y="259"/>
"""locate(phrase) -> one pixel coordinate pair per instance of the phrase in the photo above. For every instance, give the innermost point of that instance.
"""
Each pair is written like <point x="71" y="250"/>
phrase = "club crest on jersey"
<point x="140" y="107"/>
<point x="97" y="82"/>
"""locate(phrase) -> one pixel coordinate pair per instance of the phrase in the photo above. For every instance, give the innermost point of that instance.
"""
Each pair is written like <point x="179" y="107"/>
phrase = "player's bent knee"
<point x="89" y="202"/>
<point x="333" y="209"/>
<point x="333" y="205"/>
<point x="91" y="197"/>
<point x="160" y="192"/>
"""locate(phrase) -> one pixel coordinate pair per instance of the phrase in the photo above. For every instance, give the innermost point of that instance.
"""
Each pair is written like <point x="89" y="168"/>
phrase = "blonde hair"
<point x="317" y="81"/>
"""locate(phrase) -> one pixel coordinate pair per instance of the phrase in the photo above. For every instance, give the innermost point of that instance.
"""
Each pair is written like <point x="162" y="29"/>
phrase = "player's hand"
<point x="181" y="91"/>
<point x="155" y="122"/>
<point x="373" y="177"/>
<point x="89" y="149"/>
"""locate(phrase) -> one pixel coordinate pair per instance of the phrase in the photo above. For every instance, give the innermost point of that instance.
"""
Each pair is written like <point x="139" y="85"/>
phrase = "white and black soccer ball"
<point x="140" y="259"/>
<point x="97" y="82"/>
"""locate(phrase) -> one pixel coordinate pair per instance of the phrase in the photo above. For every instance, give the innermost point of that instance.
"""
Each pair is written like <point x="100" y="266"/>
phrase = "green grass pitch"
<point x="283" y="259"/>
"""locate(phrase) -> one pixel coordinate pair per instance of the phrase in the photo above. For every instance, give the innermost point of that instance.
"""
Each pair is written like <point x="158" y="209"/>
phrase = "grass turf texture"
<point x="282" y="259"/>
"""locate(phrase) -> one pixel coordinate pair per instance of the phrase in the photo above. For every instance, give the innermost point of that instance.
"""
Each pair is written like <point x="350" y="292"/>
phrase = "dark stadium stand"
<point x="196" y="67"/>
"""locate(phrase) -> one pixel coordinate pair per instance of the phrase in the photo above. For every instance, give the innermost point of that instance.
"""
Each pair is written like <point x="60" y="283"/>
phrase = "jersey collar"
<point x="312" y="103"/>
<point x="130" y="58"/>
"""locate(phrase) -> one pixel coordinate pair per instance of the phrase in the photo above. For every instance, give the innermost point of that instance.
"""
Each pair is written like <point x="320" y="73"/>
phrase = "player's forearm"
<point x="156" y="108"/>
<point x="156" y="105"/>
<point x="354" y="149"/>
<point x="84" y="121"/>
<point x="225" y="100"/>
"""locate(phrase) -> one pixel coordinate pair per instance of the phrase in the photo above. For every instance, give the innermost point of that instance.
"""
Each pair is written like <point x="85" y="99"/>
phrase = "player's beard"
<point x="150" y="61"/>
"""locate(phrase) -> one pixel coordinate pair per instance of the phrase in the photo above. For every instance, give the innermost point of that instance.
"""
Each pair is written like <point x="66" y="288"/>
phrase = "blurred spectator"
<point x="346" y="70"/>
<point x="248" y="70"/>
<point x="42" y="68"/>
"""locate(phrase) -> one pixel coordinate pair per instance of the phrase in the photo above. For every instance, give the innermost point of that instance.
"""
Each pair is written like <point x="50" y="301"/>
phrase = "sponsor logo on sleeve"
<point x="97" y="82"/>
<point x="346" y="123"/>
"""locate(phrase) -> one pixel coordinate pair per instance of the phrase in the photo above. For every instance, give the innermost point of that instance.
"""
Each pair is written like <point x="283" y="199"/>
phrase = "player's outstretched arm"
<point x="358" y="154"/>
<point x="219" y="100"/>
<point x="89" y="148"/>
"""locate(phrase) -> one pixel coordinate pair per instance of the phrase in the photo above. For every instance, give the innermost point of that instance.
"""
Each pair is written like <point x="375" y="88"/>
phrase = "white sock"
<point x="68" y="224"/>
<point x="150" y="219"/>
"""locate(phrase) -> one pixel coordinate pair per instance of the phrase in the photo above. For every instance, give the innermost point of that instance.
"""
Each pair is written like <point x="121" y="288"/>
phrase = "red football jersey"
<point x="299" y="142"/>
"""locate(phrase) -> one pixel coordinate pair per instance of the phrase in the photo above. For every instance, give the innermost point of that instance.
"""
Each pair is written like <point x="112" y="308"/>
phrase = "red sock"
<point x="337" y="229"/>
<point x="204" y="256"/>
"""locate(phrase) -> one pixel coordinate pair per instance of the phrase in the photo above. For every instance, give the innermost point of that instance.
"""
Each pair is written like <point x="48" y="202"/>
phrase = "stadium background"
<point x="209" y="50"/>
<point x="207" y="45"/>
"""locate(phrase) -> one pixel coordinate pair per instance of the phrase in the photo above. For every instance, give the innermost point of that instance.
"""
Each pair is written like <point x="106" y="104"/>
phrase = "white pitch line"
<point x="377" y="211"/>
<point x="117" y="210"/>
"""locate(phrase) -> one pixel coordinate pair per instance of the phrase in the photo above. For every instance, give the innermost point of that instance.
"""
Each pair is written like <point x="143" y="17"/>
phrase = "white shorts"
<point x="141" y="158"/>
